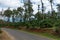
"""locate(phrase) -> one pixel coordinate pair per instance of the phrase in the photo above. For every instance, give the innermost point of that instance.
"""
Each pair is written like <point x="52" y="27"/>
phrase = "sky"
<point x="13" y="4"/>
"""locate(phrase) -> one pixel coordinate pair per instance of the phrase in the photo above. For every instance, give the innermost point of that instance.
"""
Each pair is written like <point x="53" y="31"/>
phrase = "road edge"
<point x="8" y="35"/>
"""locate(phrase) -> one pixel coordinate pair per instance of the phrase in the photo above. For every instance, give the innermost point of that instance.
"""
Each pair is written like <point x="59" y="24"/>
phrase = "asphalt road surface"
<point x="19" y="35"/>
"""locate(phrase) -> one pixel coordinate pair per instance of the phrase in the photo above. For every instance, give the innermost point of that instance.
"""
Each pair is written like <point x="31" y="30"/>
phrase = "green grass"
<point x="0" y="31"/>
<point x="47" y="35"/>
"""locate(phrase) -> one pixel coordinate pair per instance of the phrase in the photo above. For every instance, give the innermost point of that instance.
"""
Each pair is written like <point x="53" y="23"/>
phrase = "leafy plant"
<point x="46" y="23"/>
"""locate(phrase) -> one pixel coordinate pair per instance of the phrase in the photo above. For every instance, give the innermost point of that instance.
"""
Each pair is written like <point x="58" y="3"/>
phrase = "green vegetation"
<point x="34" y="22"/>
<point x="47" y="35"/>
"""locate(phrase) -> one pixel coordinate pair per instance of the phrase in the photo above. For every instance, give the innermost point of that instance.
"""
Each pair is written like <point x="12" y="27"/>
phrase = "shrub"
<point x="27" y="25"/>
<point x="46" y="24"/>
<point x="0" y="31"/>
<point x="57" y="27"/>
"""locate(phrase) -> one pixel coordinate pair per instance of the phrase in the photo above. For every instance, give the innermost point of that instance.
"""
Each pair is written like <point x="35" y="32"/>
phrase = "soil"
<point x="3" y="36"/>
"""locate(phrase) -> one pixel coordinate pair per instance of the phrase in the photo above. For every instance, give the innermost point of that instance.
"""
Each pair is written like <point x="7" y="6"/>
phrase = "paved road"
<point x="19" y="35"/>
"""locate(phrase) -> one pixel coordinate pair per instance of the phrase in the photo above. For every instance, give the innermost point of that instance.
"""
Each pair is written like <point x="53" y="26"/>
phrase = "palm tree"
<point x="58" y="8"/>
<point x="38" y="8"/>
<point x="8" y="13"/>
<point x="20" y="10"/>
<point x="51" y="2"/>
<point x="48" y="14"/>
<point x="14" y="14"/>
<point x="42" y="8"/>
<point x="28" y="9"/>
<point x="38" y="16"/>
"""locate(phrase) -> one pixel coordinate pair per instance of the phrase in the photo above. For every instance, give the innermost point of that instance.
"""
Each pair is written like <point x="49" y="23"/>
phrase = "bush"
<point x="0" y="31"/>
<point x="30" y="24"/>
<point x="27" y="25"/>
<point x="46" y="24"/>
<point x="57" y="27"/>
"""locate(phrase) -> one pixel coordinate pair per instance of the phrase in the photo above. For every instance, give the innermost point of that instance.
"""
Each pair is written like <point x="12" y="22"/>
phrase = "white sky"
<point x="16" y="3"/>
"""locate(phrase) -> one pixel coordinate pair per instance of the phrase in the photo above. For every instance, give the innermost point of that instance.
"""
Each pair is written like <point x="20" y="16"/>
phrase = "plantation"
<point x="24" y="18"/>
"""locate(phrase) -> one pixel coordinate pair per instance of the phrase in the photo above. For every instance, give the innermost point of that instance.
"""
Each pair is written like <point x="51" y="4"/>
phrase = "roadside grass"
<point x="45" y="35"/>
<point x="0" y="31"/>
<point x="48" y="35"/>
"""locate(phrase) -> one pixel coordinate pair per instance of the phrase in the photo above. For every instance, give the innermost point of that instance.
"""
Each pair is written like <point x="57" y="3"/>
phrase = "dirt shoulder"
<point x="5" y="36"/>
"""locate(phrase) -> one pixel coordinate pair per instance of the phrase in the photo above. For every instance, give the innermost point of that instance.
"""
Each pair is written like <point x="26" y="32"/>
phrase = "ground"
<point x="4" y="36"/>
<point x="20" y="35"/>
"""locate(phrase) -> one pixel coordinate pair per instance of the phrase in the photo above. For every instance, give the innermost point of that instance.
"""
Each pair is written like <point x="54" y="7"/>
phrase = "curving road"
<point x="19" y="35"/>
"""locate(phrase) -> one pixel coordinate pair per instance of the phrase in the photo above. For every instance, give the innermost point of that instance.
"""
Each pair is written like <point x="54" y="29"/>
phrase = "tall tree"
<point x="8" y="13"/>
<point x="38" y="8"/>
<point x="20" y="10"/>
<point x="14" y="14"/>
<point x="48" y="14"/>
<point x="42" y="8"/>
<point x="28" y="9"/>
<point x="38" y="16"/>
<point x="58" y="8"/>
<point x="51" y="2"/>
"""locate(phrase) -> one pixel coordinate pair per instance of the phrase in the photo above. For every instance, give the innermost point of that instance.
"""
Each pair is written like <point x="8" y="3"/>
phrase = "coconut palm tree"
<point x="38" y="16"/>
<point x="58" y="8"/>
<point x="42" y="8"/>
<point x="51" y="2"/>
<point x="28" y="9"/>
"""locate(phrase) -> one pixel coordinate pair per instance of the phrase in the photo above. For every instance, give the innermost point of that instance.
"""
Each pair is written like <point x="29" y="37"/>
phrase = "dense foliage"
<point x="29" y="20"/>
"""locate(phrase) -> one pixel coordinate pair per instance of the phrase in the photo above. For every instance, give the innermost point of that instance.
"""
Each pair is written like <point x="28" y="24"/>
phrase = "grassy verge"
<point x="47" y="35"/>
<point x="0" y="31"/>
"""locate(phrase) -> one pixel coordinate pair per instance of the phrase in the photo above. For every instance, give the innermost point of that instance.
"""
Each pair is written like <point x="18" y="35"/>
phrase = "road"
<point x="20" y="35"/>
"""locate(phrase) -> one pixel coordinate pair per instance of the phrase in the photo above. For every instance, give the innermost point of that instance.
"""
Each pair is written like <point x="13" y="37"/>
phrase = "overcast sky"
<point x="17" y="3"/>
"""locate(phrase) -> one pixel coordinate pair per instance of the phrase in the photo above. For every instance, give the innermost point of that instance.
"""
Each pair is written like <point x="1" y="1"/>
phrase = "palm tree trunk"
<point x="42" y="9"/>
<point x="51" y="9"/>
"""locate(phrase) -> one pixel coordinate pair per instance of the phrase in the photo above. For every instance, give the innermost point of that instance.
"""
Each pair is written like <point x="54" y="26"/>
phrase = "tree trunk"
<point x="8" y="19"/>
<point x="42" y="9"/>
<point x="13" y="19"/>
<point x="51" y="9"/>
